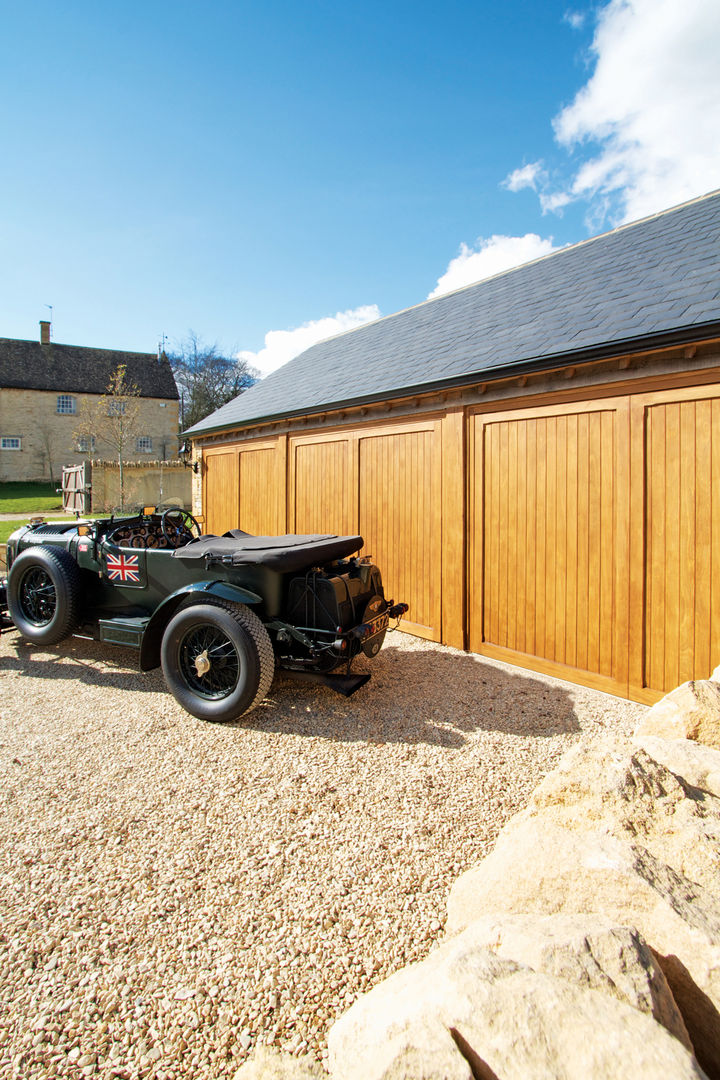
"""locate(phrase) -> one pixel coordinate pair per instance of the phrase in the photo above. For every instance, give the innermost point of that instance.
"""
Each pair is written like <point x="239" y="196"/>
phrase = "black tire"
<point x="240" y="675"/>
<point x="44" y="595"/>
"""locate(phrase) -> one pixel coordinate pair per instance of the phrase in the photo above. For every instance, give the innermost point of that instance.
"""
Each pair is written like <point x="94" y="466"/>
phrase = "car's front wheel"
<point x="43" y="594"/>
<point x="217" y="660"/>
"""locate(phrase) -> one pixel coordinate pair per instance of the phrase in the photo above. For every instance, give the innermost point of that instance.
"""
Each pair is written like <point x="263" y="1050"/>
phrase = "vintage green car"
<point x="219" y="613"/>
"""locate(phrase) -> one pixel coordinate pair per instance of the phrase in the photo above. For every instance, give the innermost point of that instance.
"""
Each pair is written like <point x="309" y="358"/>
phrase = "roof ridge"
<point x="512" y="269"/>
<point x="67" y="345"/>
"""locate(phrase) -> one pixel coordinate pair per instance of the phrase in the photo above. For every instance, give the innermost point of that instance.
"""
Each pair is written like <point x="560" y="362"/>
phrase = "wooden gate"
<point x="76" y="488"/>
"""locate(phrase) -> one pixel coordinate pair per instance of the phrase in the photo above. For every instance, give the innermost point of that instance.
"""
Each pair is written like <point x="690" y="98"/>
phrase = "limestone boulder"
<point x="267" y="1063"/>
<point x="465" y="1012"/>
<point x="589" y="951"/>
<point x="697" y="765"/>
<point x="625" y="792"/>
<point x="691" y="711"/>
<point x="541" y="867"/>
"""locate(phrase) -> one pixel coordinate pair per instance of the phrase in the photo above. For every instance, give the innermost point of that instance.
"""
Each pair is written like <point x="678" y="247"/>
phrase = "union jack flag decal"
<point x="123" y="568"/>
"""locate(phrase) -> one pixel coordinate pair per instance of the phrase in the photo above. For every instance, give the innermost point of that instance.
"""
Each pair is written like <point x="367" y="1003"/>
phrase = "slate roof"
<point x="649" y="283"/>
<point x="75" y="369"/>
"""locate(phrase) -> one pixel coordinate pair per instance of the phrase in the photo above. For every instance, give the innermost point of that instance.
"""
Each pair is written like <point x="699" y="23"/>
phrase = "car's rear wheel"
<point x="43" y="595"/>
<point x="217" y="660"/>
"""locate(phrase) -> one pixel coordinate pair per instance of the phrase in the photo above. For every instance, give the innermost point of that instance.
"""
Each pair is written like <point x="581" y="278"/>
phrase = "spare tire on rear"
<point x="43" y="594"/>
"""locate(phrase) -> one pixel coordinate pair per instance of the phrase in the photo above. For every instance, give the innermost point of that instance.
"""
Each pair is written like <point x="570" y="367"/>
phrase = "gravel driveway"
<point x="174" y="892"/>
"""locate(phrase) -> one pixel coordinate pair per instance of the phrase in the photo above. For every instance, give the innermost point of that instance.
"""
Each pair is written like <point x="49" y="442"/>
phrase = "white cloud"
<point x="576" y="19"/>
<point x="490" y="256"/>
<point x="283" y="345"/>
<point x="646" y="122"/>
<point x="526" y="176"/>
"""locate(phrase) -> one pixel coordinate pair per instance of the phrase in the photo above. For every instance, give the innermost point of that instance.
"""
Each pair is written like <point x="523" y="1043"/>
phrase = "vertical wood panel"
<point x="221" y="492"/>
<point x="259" y="481"/>
<point x="323" y="494"/>
<point x="453" y="529"/>
<point x="399" y="495"/>
<point x="682" y="571"/>
<point x="550" y="512"/>
<point x="714" y="589"/>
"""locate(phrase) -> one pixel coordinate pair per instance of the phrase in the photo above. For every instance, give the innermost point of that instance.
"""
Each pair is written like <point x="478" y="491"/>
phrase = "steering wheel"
<point x="177" y="525"/>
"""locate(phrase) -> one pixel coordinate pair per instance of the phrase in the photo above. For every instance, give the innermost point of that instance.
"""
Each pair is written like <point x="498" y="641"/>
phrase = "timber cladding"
<point x="580" y="539"/>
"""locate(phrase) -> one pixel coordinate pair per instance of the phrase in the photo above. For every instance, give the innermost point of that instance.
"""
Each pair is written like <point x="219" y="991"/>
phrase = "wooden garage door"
<point x="400" y="519"/>
<point x="322" y="485"/>
<point x="548" y="541"/>
<point x="258" y="481"/>
<point x="682" y="529"/>
<point x="221" y="491"/>
<point x="383" y="483"/>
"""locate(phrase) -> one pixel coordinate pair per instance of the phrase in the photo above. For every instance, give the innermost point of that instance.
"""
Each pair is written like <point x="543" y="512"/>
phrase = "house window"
<point x="10" y="442"/>
<point x="66" y="404"/>
<point x="86" y="444"/>
<point x="116" y="408"/>
<point x="144" y="444"/>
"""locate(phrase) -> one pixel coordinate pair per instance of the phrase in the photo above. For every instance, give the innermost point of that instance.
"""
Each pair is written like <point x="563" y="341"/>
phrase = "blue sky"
<point x="270" y="174"/>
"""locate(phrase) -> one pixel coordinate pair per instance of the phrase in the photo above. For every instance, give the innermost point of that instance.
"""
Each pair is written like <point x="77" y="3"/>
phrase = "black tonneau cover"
<point x="286" y="554"/>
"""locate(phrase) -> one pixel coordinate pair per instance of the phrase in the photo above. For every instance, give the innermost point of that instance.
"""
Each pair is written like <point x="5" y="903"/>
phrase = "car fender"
<point x="200" y="591"/>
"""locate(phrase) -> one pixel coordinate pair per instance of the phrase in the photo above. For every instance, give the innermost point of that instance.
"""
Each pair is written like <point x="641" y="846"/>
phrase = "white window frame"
<point x="66" y="405"/>
<point x="7" y="440"/>
<point x="143" y="444"/>
<point x="86" y="444"/>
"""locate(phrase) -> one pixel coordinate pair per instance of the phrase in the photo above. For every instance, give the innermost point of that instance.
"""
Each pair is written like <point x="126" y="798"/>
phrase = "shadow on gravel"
<point x="80" y="661"/>
<point x="416" y="695"/>
<point x="426" y="696"/>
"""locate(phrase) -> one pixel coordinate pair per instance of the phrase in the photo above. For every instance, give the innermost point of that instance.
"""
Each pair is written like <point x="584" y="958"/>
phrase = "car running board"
<point x="344" y="684"/>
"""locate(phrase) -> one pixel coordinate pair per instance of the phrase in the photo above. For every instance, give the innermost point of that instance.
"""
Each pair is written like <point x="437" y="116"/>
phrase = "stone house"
<point x="532" y="460"/>
<point x="43" y="386"/>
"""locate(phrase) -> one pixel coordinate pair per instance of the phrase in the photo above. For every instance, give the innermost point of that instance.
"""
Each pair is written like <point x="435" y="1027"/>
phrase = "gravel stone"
<point x="175" y="893"/>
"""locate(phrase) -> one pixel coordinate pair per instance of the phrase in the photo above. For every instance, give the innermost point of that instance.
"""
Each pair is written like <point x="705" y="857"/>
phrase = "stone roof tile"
<point x="641" y="284"/>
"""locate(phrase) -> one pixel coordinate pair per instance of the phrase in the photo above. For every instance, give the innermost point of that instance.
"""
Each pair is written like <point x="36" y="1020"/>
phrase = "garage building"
<point x="533" y="460"/>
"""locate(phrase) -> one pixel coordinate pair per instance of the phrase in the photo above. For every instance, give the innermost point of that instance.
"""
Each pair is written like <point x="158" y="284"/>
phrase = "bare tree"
<point x="206" y="378"/>
<point x="112" y="419"/>
<point x="48" y="448"/>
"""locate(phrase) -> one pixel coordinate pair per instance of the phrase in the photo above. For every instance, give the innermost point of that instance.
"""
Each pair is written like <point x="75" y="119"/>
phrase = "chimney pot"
<point x="44" y="332"/>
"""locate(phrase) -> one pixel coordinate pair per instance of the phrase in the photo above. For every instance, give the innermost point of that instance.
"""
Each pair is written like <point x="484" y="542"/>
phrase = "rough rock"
<point x="269" y="1064"/>
<point x="465" y="1012"/>
<point x="697" y="765"/>
<point x="626" y="793"/>
<point x="691" y="711"/>
<point x="544" y="867"/>
<point x="589" y="951"/>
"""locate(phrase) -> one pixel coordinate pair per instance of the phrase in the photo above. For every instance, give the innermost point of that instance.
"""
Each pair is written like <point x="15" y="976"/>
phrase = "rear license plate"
<point x="378" y="624"/>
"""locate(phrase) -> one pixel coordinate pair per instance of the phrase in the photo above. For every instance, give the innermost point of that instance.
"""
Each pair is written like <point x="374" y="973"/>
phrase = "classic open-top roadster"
<point x="219" y="613"/>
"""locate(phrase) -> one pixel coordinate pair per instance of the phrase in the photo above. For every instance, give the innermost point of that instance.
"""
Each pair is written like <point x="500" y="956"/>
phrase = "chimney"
<point x="44" y="332"/>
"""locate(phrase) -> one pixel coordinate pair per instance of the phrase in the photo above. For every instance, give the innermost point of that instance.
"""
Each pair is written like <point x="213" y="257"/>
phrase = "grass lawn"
<point x="18" y="498"/>
<point x="7" y="527"/>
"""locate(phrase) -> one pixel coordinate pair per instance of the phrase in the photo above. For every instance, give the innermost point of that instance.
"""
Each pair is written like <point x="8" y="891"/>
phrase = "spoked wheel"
<point x="43" y="595"/>
<point x="209" y="662"/>
<point x="37" y="596"/>
<point x="217" y="660"/>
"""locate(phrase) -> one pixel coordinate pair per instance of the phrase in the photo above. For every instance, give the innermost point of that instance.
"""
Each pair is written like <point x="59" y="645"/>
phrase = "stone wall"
<point x="152" y="483"/>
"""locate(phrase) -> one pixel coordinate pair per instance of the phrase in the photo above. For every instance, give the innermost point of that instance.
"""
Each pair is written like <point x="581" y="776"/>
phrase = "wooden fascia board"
<point x="561" y="362"/>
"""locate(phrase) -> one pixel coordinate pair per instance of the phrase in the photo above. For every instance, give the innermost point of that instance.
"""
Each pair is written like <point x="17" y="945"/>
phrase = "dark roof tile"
<point x="75" y="369"/>
<point x="652" y="278"/>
